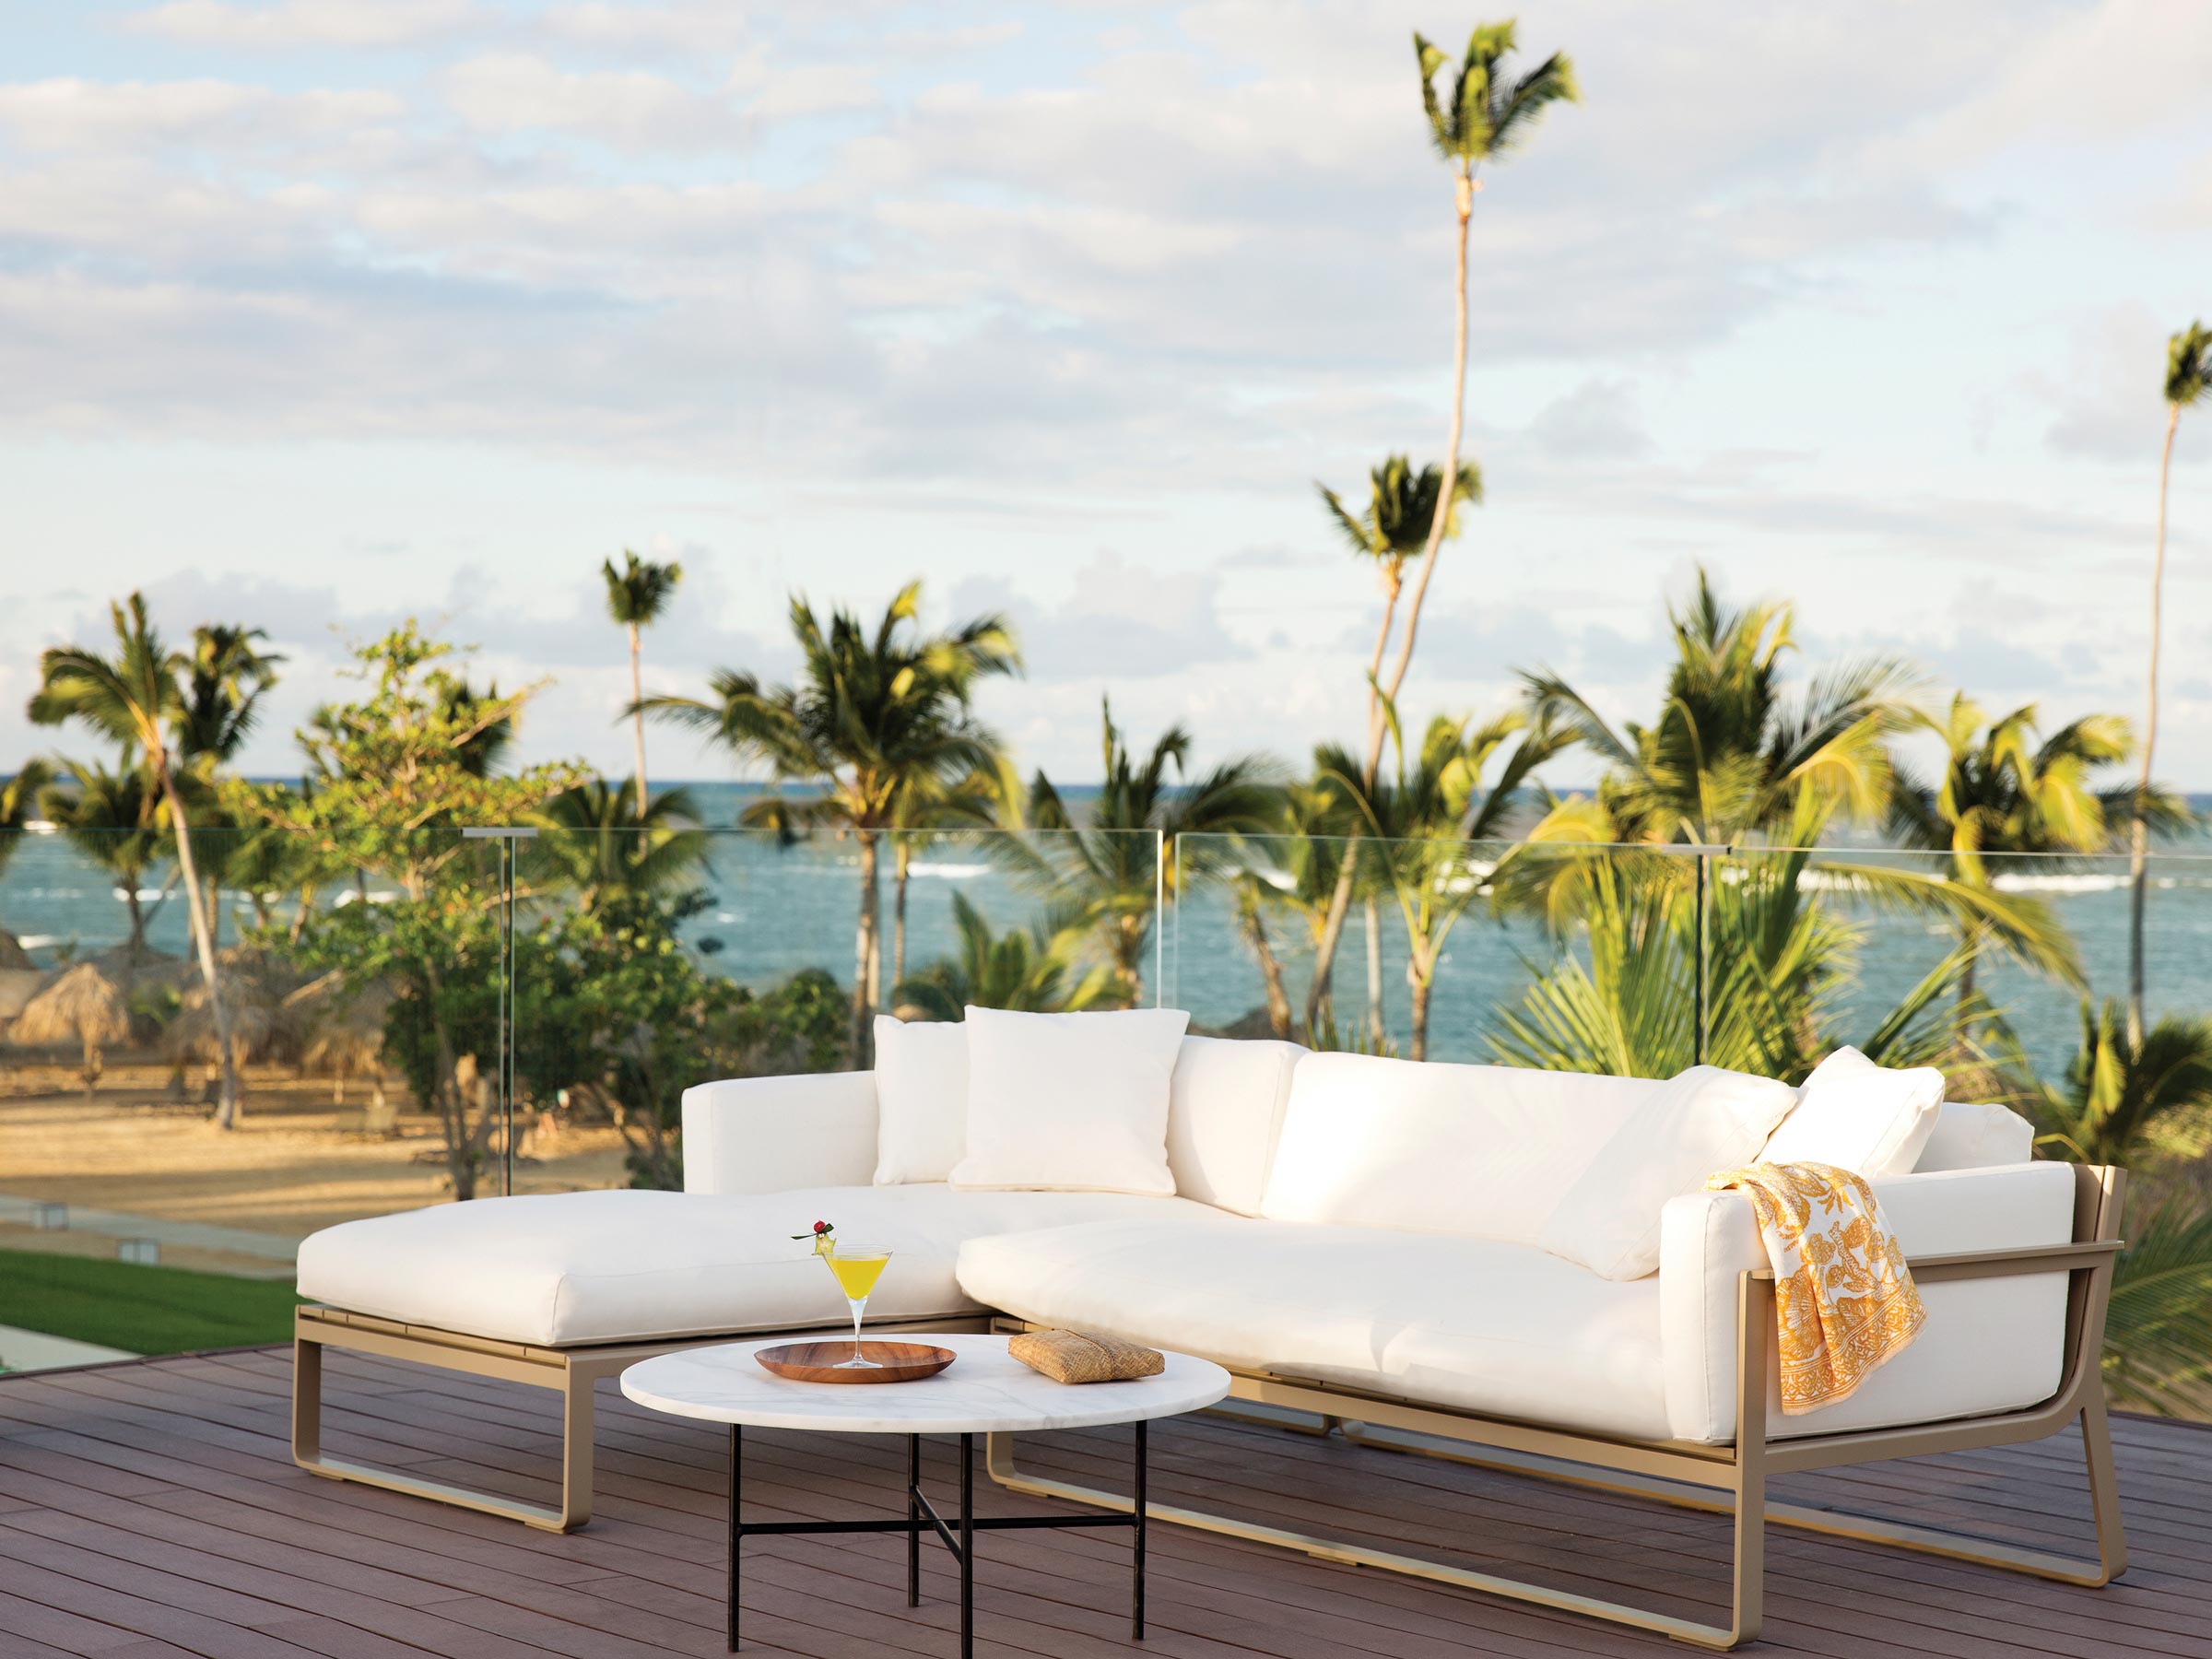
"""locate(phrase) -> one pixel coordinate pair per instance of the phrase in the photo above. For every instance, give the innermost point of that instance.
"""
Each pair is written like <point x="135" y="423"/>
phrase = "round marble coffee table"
<point x="984" y="1390"/>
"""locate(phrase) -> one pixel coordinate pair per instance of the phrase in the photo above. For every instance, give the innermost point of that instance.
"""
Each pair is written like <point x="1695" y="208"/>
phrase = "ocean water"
<point x="774" y="909"/>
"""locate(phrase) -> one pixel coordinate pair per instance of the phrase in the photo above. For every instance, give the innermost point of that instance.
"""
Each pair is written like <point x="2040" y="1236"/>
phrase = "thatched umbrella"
<point x="254" y="987"/>
<point x="83" y="1006"/>
<point x="345" y="1029"/>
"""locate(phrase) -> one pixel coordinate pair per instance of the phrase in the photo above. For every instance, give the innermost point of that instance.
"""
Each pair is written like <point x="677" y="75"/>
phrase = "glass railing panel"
<point x="648" y="961"/>
<point x="118" y="1150"/>
<point x="1436" y="937"/>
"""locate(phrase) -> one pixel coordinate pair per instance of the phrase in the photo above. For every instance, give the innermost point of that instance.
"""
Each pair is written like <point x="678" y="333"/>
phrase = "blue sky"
<point x="320" y="314"/>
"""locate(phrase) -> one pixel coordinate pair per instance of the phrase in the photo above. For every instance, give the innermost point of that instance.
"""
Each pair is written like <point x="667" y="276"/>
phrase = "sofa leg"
<point x="999" y="1461"/>
<point x="575" y="1382"/>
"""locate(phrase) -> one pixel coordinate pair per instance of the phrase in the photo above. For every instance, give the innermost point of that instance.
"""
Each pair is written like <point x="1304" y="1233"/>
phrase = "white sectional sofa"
<point x="1354" y="1238"/>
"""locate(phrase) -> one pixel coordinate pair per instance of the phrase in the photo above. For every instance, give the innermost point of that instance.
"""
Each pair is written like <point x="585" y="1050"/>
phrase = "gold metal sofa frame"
<point x="1736" y="1474"/>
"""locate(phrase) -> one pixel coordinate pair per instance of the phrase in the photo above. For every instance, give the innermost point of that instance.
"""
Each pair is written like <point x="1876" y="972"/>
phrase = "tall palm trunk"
<point x="227" y="1112"/>
<point x="2138" y="829"/>
<point x="1340" y="901"/>
<point x="1374" y="976"/>
<point x="637" y="715"/>
<point x="1254" y="927"/>
<point x="867" y="956"/>
<point x="1421" y="985"/>
<point x="902" y="861"/>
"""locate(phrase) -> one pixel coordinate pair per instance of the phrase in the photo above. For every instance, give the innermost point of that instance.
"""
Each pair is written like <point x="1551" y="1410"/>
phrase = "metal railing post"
<point x="506" y="835"/>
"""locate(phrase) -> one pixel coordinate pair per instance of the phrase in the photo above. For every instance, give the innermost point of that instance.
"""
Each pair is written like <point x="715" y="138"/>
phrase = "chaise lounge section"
<point x="1358" y="1239"/>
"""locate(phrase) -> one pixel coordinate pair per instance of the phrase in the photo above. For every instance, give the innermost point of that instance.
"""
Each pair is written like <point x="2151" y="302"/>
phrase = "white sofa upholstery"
<point x="566" y="1268"/>
<point x="1362" y="1222"/>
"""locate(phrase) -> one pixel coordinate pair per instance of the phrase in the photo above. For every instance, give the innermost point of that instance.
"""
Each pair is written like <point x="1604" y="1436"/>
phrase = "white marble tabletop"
<point x="984" y="1390"/>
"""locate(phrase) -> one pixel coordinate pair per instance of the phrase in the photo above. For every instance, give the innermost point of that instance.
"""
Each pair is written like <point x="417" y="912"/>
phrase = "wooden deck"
<point x="151" y="1509"/>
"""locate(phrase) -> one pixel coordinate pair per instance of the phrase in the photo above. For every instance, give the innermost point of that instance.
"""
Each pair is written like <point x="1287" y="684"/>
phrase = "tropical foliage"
<point x="878" y="717"/>
<point x="1031" y="970"/>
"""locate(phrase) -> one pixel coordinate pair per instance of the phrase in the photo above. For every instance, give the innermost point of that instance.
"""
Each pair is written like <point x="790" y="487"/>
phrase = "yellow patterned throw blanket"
<point x="1844" y="1300"/>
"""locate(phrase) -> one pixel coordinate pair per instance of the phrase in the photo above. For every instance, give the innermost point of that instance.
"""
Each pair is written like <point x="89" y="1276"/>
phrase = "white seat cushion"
<point x="921" y="1100"/>
<point x="615" y="1266"/>
<point x="1070" y="1102"/>
<point x="1480" y="1323"/>
<point x="1486" y="1151"/>
<point x="1705" y="1120"/>
<point x="1225" y="1109"/>
<point x="1860" y="1116"/>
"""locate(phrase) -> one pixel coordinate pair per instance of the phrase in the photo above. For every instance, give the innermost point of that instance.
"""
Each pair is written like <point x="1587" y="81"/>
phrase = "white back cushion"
<point x="1225" y="1109"/>
<point x="1484" y="1151"/>
<point x="1861" y="1116"/>
<point x="1970" y="1136"/>
<point x="1070" y="1102"/>
<point x="921" y="1100"/>
<point x="1704" y="1121"/>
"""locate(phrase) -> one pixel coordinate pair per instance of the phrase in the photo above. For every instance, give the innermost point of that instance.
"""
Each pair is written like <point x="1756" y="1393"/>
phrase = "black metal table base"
<point x="958" y="1536"/>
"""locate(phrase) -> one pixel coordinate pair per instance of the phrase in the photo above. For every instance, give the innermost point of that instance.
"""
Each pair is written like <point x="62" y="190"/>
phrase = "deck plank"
<point x="152" y="1509"/>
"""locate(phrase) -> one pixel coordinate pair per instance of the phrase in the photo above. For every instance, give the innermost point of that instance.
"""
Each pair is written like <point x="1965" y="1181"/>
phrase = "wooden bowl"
<point x="820" y="1362"/>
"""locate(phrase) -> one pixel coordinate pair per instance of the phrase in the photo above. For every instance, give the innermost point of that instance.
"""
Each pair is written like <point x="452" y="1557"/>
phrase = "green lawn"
<point x="141" y="1310"/>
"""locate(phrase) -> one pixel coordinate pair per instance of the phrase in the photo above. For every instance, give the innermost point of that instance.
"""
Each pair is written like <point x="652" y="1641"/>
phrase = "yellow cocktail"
<point x="856" y="1272"/>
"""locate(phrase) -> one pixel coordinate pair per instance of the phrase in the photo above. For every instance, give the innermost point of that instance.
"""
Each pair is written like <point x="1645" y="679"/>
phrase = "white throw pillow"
<point x="1706" y="1120"/>
<point x="1070" y="1102"/>
<point x="1860" y="1116"/>
<point x="921" y="1099"/>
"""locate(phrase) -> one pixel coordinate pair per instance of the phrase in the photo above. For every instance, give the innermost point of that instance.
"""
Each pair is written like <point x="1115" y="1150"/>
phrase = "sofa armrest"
<point x="772" y="1135"/>
<point x="1709" y="1239"/>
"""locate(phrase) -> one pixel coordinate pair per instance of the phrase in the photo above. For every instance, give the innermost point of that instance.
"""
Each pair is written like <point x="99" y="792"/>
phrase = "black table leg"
<point x="967" y="1546"/>
<point x="1136" y="1594"/>
<point x="914" y="1519"/>
<point x="737" y="1468"/>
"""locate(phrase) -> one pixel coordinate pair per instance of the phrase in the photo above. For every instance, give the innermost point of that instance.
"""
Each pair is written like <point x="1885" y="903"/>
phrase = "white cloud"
<point x="633" y="110"/>
<point x="295" y="23"/>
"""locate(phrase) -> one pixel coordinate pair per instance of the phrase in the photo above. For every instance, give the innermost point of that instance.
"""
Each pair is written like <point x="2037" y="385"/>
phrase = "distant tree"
<point x="1735" y="749"/>
<point x="1480" y="115"/>
<point x="1107" y="859"/>
<point x="875" y="717"/>
<point x="395" y="773"/>
<point x="229" y="676"/>
<point x="113" y="816"/>
<point x="2002" y="791"/>
<point x="636" y="595"/>
<point x="19" y="797"/>
<point x="1421" y="820"/>
<point x="597" y="844"/>
<point x="136" y="698"/>
<point x="1030" y="970"/>
<point x="2188" y="375"/>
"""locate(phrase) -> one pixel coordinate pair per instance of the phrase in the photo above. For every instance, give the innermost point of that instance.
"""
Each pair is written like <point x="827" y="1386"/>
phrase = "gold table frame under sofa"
<point x="1736" y="1475"/>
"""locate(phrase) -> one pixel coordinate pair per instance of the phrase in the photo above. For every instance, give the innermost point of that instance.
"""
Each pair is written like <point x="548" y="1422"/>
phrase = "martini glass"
<point x="856" y="1271"/>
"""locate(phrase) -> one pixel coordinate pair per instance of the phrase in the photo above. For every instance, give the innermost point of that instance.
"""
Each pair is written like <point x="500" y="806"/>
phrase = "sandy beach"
<point x="297" y="1162"/>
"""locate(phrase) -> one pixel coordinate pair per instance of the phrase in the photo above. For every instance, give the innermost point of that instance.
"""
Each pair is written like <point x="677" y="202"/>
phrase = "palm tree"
<point x="1780" y="961"/>
<point x="19" y="798"/>
<point x="2188" y="374"/>
<point x="636" y="595"/>
<point x="928" y="807"/>
<point x="2158" y="1327"/>
<point x="2123" y="1102"/>
<point x="136" y="700"/>
<point x="112" y="818"/>
<point x="1401" y="510"/>
<point x="598" y="845"/>
<point x="1482" y="115"/>
<point x="1421" y="822"/>
<point x="872" y="713"/>
<point x="1030" y="970"/>
<point x="1108" y="861"/>
<point x="229" y="674"/>
<point x="2002" y="791"/>
<point x="1732" y="752"/>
